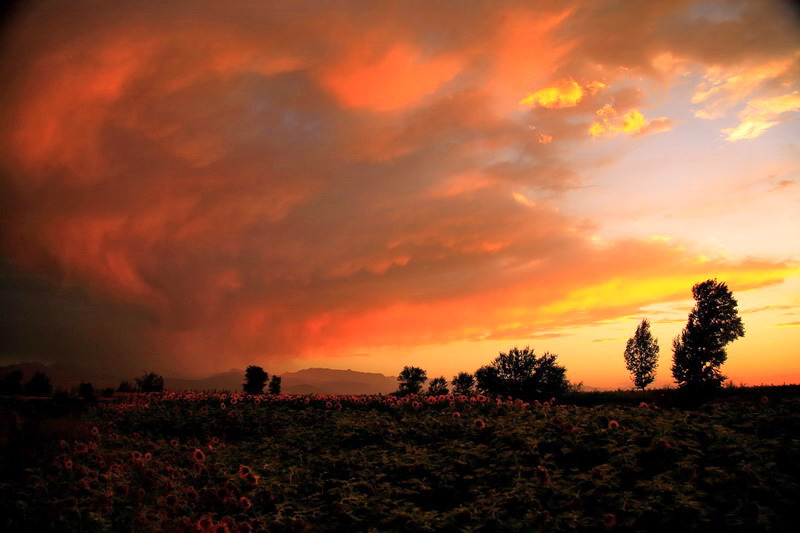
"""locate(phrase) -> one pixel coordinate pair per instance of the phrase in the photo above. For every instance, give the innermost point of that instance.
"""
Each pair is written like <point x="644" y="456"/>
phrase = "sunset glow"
<point x="194" y="187"/>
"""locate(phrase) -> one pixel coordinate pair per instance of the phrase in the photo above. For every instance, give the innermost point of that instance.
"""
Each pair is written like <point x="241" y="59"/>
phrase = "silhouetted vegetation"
<point x="39" y="385"/>
<point x="438" y="386"/>
<point x="126" y="386"/>
<point x="521" y="374"/>
<point x="11" y="383"/>
<point x="641" y="356"/>
<point x="254" y="380"/>
<point x="275" y="385"/>
<point x="463" y="384"/>
<point x="699" y="351"/>
<point x="86" y="391"/>
<point x="150" y="382"/>
<point x="411" y="380"/>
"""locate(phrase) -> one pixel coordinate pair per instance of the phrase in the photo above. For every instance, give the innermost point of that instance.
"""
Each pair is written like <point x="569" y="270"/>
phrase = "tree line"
<point x="698" y="354"/>
<point x="518" y="373"/>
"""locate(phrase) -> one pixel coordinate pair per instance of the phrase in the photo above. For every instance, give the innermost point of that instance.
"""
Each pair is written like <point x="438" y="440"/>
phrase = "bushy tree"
<point x="438" y="386"/>
<point x="126" y="386"/>
<point x="11" y="383"/>
<point x="699" y="351"/>
<point x="39" y="385"/>
<point x="463" y="383"/>
<point x="150" y="382"/>
<point x="521" y="374"/>
<point x="275" y="385"/>
<point x="254" y="380"/>
<point x="86" y="391"/>
<point x="488" y="380"/>
<point x="641" y="356"/>
<point x="411" y="380"/>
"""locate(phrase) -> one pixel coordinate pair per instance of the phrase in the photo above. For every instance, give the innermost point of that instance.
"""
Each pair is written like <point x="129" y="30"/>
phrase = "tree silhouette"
<point x="488" y="380"/>
<point x="699" y="351"/>
<point x="150" y="382"/>
<point x="521" y="374"/>
<point x="126" y="386"/>
<point x="12" y="383"/>
<point x="463" y="383"/>
<point x="39" y="385"/>
<point x="438" y="386"/>
<point x="254" y="380"/>
<point x="411" y="380"/>
<point x="86" y="391"/>
<point x="641" y="356"/>
<point x="275" y="385"/>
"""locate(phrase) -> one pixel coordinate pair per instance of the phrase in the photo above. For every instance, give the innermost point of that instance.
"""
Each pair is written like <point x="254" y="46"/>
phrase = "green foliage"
<point x="463" y="384"/>
<point x="641" y="356"/>
<point x="275" y="385"/>
<point x="39" y="385"/>
<point x="699" y="351"/>
<point x="521" y="374"/>
<point x="438" y="387"/>
<point x="254" y="380"/>
<point x="411" y="380"/>
<point x="150" y="382"/>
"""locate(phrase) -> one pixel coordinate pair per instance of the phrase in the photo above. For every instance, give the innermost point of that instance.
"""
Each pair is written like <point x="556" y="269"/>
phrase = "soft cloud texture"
<point x="199" y="187"/>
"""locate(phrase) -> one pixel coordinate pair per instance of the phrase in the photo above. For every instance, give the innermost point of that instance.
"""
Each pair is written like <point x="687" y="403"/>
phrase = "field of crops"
<point x="221" y="462"/>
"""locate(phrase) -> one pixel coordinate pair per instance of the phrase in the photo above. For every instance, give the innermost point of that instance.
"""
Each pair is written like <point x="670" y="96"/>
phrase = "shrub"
<point x="521" y="374"/>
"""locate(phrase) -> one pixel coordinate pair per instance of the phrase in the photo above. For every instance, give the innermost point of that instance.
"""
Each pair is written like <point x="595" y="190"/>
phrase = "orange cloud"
<point x="395" y="79"/>
<point x="323" y="176"/>
<point x="565" y="93"/>
<point x="724" y="88"/>
<point x="562" y="94"/>
<point x="632" y="123"/>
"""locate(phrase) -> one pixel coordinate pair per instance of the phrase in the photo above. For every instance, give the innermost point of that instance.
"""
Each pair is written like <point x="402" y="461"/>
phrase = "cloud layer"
<point x="198" y="187"/>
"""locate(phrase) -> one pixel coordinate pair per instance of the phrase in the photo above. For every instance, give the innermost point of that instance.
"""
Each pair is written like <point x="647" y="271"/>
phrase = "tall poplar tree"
<point x="699" y="351"/>
<point x="641" y="356"/>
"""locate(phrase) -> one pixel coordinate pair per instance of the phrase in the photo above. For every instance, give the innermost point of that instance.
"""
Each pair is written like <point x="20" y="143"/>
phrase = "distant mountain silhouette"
<point x="330" y="381"/>
<point x="308" y="381"/>
<point x="63" y="375"/>
<point x="224" y="381"/>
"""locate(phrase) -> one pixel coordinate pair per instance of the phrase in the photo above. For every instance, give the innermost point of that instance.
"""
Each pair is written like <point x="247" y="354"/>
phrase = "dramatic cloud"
<point x="197" y="187"/>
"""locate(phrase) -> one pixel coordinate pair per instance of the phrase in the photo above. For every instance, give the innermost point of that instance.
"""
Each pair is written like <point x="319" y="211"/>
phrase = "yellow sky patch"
<point x="523" y="200"/>
<point x="564" y="93"/>
<point x="633" y="122"/>
<point x="761" y="114"/>
<point x="626" y="292"/>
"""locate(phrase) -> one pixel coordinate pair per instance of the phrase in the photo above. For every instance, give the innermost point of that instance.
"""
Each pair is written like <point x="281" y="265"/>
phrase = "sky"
<point x="193" y="186"/>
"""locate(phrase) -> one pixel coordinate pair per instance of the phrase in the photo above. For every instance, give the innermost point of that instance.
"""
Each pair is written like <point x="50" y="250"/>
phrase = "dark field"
<point x="208" y="462"/>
